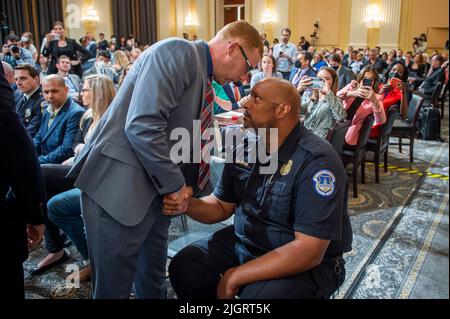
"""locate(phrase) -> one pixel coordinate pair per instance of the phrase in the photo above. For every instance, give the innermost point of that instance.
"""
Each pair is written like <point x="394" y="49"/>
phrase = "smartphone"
<point x="317" y="83"/>
<point x="394" y="82"/>
<point x="56" y="36"/>
<point x="367" y="83"/>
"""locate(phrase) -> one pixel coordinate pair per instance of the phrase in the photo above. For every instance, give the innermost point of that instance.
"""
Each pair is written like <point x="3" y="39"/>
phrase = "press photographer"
<point x="420" y="43"/>
<point x="13" y="54"/>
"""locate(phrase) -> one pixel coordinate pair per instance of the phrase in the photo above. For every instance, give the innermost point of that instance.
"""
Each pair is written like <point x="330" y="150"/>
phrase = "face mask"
<point x="335" y="67"/>
<point x="394" y="75"/>
<point x="298" y="64"/>
<point x="114" y="40"/>
<point x="100" y="64"/>
<point x="24" y="39"/>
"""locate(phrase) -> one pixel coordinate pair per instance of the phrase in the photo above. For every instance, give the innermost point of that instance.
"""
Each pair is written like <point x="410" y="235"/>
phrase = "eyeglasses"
<point x="249" y="65"/>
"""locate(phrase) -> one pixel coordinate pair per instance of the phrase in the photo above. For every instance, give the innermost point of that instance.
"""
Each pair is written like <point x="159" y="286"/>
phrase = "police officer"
<point x="22" y="196"/>
<point x="290" y="228"/>
<point x="29" y="98"/>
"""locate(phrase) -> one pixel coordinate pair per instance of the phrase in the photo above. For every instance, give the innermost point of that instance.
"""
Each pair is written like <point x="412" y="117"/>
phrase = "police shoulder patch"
<point x="325" y="183"/>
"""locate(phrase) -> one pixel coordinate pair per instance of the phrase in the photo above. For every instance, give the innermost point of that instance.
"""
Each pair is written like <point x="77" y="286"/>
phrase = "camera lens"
<point x="15" y="49"/>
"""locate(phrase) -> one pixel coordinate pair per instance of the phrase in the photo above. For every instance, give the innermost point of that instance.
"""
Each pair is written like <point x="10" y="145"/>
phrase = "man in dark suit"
<point x="22" y="196"/>
<point x="235" y="92"/>
<point x="29" y="98"/>
<point x="345" y="74"/>
<point x="60" y="123"/>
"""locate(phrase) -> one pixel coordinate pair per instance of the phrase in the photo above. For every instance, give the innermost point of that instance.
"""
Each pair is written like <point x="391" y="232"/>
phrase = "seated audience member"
<point x="73" y="82"/>
<point x="361" y="100"/>
<point x="9" y="76"/>
<point x="409" y="59"/>
<point x="102" y="66"/>
<point x="416" y="71"/>
<point x="134" y="55"/>
<point x="391" y="58"/>
<point x="227" y="96"/>
<point x="375" y="61"/>
<point x="280" y="246"/>
<point x="41" y="65"/>
<point x="121" y="61"/>
<point x="323" y="109"/>
<point x="435" y="75"/>
<point x="303" y="45"/>
<point x="394" y="91"/>
<point x="59" y="126"/>
<point x="102" y="42"/>
<point x="319" y="63"/>
<point x="345" y="75"/>
<point x="64" y="211"/>
<point x="28" y="103"/>
<point x="400" y="56"/>
<point x="356" y="65"/>
<point x="124" y="74"/>
<point x="269" y="69"/>
<point x="302" y="68"/>
<point x="397" y="93"/>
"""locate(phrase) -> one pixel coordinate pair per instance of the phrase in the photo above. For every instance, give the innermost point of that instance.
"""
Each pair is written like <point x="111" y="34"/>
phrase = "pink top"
<point x="363" y="112"/>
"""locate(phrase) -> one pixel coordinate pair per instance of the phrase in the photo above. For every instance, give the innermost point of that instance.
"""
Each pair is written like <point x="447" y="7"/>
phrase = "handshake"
<point x="177" y="203"/>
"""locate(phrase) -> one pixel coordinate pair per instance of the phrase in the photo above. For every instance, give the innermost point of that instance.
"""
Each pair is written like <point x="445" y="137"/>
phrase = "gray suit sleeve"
<point x="162" y="80"/>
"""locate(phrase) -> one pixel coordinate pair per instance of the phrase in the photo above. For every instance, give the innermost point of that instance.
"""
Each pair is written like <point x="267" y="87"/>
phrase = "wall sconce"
<point x="268" y="18"/>
<point x="373" y="17"/>
<point x="190" y="21"/>
<point x="91" y="16"/>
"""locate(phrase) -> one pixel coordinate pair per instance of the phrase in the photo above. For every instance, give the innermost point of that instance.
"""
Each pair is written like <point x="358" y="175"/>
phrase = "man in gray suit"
<point x="345" y="75"/>
<point x="126" y="169"/>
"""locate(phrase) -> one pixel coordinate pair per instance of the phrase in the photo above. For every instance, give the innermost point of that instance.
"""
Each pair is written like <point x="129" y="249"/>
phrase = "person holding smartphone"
<point x="323" y="109"/>
<point x="394" y="87"/>
<point x="58" y="44"/>
<point x="365" y="88"/>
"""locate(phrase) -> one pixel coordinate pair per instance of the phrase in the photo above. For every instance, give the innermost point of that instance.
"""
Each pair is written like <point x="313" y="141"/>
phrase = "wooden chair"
<point x="356" y="155"/>
<point x="407" y="128"/>
<point x="380" y="145"/>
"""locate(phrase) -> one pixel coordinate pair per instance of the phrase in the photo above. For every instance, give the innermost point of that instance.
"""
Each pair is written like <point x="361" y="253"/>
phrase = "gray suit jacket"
<point x="126" y="164"/>
<point x="345" y="77"/>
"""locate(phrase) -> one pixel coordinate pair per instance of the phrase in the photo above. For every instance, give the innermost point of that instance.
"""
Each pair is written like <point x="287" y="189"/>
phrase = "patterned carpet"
<point x="394" y="225"/>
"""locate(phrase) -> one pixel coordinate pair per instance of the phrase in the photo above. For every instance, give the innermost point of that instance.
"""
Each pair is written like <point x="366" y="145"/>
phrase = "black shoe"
<point x="38" y="271"/>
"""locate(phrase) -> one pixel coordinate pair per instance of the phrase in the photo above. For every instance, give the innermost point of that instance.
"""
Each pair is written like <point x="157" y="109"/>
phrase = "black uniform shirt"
<point x="307" y="194"/>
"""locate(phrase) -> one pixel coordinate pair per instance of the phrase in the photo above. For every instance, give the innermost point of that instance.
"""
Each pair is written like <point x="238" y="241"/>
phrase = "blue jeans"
<point x="64" y="210"/>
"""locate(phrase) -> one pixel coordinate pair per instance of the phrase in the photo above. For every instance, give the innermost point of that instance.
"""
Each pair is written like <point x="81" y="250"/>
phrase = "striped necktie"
<point x="206" y="122"/>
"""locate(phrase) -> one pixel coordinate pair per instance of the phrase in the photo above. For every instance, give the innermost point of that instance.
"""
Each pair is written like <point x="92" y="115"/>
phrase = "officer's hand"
<point x="35" y="234"/>
<point x="177" y="203"/>
<point x="227" y="288"/>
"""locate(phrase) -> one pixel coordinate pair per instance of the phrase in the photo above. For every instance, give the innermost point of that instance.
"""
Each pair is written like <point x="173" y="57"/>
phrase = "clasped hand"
<point x="177" y="203"/>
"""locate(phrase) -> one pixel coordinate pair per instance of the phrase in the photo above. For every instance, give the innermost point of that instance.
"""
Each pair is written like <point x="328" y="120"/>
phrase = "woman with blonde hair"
<point x="64" y="209"/>
<point x="121" y="61"/>
<point x="323" y="109"/>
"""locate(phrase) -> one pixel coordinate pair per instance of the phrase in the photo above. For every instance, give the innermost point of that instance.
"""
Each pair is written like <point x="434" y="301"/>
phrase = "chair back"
<point x="413" y="109"/>
<point x="364" y="134"/>
<point x="436" y="93"/>
<point x="386" y="129"/>
<point x="336" y="135"/>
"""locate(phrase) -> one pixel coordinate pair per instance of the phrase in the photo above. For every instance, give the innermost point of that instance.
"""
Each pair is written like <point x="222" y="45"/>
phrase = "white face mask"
<point x="24" y="39"/>
<point x="100" y="64"/>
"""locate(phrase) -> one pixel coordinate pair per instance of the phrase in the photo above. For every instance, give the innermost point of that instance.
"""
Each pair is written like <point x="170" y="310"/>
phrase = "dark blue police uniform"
<point x="307" y="194"/>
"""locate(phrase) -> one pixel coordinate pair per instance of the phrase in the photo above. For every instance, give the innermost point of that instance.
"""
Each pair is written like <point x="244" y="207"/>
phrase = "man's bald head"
<point x="9" y="72"/>
<point x="56" y="79"/>
<point x="274" y="103"/>
<point x="281" y="91"/>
